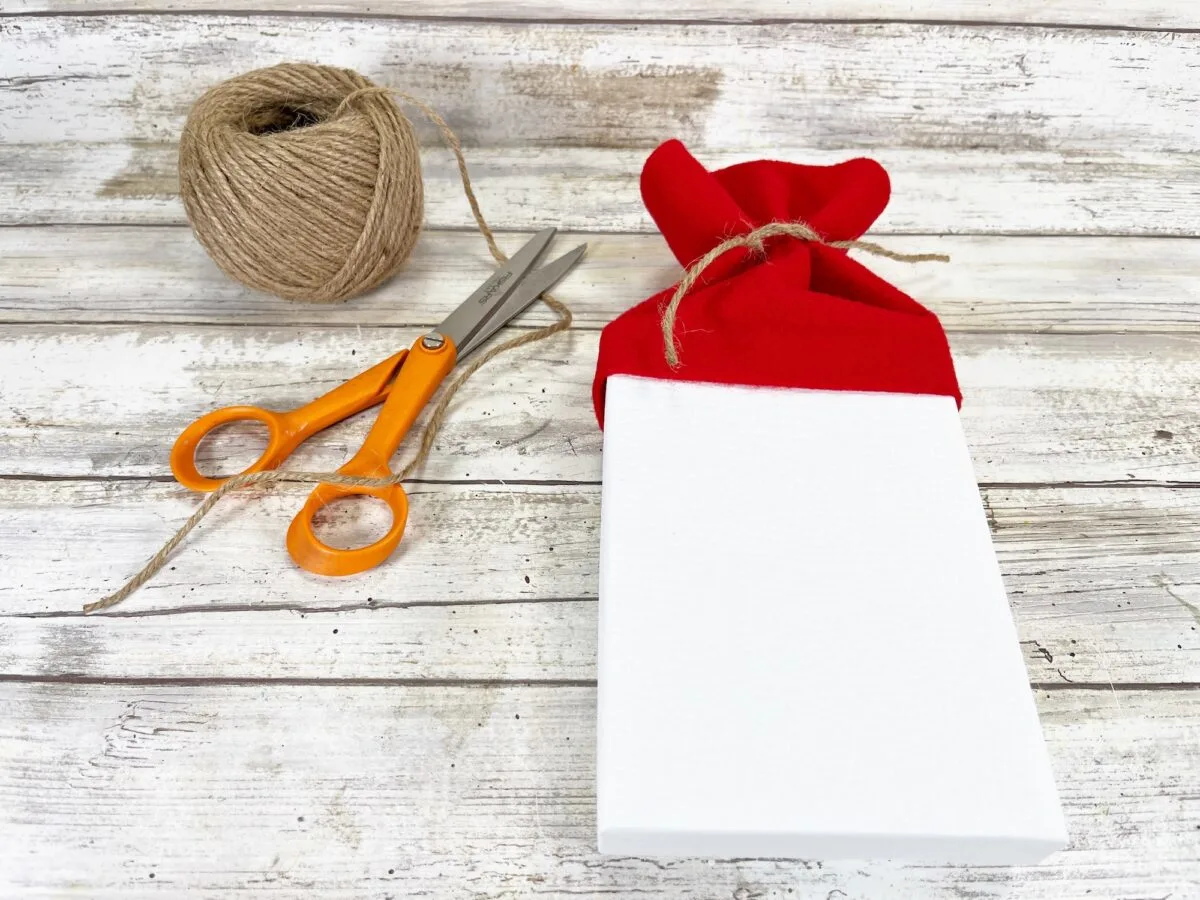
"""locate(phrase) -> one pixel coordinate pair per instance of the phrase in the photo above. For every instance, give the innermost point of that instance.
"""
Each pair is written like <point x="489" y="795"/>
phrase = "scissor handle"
<point x="428" y="362"/>
<point x="313" y="554"/>
<point x="282" y="439"/>
<point x="286" y="430"/>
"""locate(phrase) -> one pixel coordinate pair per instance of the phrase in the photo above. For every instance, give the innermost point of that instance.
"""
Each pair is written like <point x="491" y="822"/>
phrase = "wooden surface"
<point x="242" y="729"/>
<point x="400" y="790"/>
<point x="984" y="129"/>
<point x="1152" y="14"/>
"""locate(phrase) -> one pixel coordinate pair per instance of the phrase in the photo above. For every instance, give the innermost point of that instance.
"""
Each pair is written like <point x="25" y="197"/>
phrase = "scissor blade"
<point x="462" y="324"/>
<point x="530" y="288"/>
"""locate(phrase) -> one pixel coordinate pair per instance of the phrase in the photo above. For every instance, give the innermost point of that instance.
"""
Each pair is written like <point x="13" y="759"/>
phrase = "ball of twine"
<point x="303" y="181"/>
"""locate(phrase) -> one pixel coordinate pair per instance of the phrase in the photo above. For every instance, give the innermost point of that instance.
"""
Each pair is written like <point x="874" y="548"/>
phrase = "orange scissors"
<point x="404" y="383"/>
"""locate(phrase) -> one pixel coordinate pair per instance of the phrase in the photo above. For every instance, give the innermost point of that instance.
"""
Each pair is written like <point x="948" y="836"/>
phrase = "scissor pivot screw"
<point x="433" y="341"/>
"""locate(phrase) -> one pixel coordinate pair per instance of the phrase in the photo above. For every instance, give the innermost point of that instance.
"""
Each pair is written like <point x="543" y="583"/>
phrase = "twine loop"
<point x="756" y="242"/>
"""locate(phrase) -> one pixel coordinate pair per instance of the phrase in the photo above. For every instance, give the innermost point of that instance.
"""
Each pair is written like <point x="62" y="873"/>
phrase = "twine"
<point x="756" y="241"/>
<point x="303" y="181"/>
<point x="436" y="417"/>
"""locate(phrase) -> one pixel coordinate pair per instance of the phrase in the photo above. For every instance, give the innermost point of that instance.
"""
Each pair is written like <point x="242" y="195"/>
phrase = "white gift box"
<point x="805" y="645"/>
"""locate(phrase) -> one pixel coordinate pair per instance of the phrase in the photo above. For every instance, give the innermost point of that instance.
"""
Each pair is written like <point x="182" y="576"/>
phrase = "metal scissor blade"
<point x="462" y="324"/>
<point x="530" y="288"/>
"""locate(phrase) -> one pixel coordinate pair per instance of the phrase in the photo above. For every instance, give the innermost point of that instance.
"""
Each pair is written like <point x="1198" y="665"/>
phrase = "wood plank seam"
<point x="160" y="681"/>
<point x="234" y="9"/>
<point x="984" y="485"/>
<point x="368" y="682"/>
<point x="183" y="610"/>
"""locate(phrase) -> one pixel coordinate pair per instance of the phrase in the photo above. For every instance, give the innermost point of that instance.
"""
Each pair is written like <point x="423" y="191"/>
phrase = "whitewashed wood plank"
<point x="560" y="116"/>
<point x="99" y="401"/>
<point x="149" y="273"/>
<point x="830" y="86"/>
<point x="462" y="544"/>
<point x="473" y="642"/>
<point x="136" y="390"/>
<point x="393" y="791"/>
<point x="108" y="274"/>
<point x="1104" y="585"/>
<point x="936" y="191"/>
<point x="1164" y="14"/>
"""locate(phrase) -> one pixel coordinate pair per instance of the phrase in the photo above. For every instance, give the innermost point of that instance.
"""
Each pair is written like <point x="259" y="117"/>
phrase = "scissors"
<point x="404" y="383"/>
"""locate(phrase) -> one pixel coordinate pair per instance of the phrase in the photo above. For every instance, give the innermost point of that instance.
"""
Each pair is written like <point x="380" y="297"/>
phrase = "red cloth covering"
<point x="806" y="316"/>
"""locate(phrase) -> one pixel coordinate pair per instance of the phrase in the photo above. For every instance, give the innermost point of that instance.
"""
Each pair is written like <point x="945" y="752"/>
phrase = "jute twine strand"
<point x="436" y="417"/>
<point x="756" y="242"/>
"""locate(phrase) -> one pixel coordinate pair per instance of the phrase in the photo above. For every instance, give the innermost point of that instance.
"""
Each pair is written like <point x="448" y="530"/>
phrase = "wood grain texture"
<point x="1104" y="585"/>
<point x="463" y="544"/>
<point x="151" y="274"/>
<point x="720" y="87"/>
<point x="935" y="191"/>
<point x="488" y="791"/>
<point x="1159" y="14"/>
<point x="104" y="401"/>
<point x="558" y="118"/>
<point x="240" y="728"/>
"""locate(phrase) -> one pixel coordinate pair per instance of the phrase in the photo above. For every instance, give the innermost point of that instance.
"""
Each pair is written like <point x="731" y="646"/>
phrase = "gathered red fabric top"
<point x="806" y="316"/>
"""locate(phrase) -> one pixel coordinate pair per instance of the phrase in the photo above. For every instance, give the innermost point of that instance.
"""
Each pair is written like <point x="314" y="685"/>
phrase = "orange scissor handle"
<point x="427" y="365"/>
<point x="183" y="455"/>
<point x="287" y="430"/>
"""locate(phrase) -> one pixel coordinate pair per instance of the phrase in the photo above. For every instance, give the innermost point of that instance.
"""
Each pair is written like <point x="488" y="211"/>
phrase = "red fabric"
<point x="807" y="316"/>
